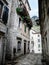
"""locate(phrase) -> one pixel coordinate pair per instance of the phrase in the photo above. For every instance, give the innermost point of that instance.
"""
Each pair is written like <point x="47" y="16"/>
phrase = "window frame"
<point x="2" y="9"/>
<point x="3" y="12"/>
<point x="38" y="45"/>
<point x="19" y="46"/>
<point x="19" y="22"/>
<point x="38" y="40"/>
<point x="25" y="28"/>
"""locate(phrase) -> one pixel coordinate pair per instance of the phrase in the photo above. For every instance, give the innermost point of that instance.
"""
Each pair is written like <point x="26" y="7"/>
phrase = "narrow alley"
<point x="28" y="59"/>
<point x="24" y="32"/>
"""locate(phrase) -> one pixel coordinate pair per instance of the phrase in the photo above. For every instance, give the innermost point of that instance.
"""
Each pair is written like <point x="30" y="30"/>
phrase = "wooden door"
<point x="24" y="48"/>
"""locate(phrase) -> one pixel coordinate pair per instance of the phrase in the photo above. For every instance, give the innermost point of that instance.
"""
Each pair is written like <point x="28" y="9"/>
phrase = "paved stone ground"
<point x="28" y="59"/>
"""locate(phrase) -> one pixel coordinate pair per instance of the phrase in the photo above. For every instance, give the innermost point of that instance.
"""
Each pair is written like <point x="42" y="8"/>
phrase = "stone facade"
<point x="3" y="29"/>
<point x="35" y="40"/>
<point x="14" y="30"/>
<point x="44" y="23"/>
<point x="18" y="30"/>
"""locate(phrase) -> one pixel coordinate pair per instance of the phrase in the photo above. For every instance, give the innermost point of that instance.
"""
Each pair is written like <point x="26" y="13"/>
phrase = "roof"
<point x="36" y="28"/>
<point x="28" y="4"/>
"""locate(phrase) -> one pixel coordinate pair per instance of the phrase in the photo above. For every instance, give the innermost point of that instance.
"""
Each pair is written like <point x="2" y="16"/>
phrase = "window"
<point x="1" y="7"/>
<point x="28" y="46"/>
<point x="32" y="42"/>
<point x="38" y="35"/>
<point x="38" y="40"/>
<point x="38" y="45"/>
<point x="25" y="28"/>
<point x="32" y="37"/>
<point x="3" y="12"/>
<point x="38" y="49"/>
<point x="14" y="51"/>
<point x="19" y="46"/>
<point x="28" y="31"/>
<point x="19" y="22"/>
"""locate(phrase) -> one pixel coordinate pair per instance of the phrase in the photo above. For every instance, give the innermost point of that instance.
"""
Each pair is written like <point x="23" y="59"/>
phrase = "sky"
<point x="34" y="7"/>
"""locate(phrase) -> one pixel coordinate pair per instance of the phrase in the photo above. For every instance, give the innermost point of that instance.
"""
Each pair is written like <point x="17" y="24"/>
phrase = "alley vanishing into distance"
<point x="27" y="59"/>
<point x="24" y="35"/>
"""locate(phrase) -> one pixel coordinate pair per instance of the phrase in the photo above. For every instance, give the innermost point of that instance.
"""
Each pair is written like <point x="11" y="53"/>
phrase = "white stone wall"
<point x="36" y="48"/>
<point x="35" y="37"/>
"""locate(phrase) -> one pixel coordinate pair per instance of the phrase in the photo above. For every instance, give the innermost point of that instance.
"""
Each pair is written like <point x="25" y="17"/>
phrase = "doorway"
<point x="24" y="48"/>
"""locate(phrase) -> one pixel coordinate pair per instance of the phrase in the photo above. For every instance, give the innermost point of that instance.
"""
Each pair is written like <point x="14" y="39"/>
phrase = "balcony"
<point x="25" y="17"/>
<point x="19" y="11"/>
<point x="22" y="11"/>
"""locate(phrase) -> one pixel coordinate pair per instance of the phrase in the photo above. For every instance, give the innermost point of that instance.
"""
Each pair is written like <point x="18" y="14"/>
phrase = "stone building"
<point x="35" y="40"/>
<point x="19" y="25"/>
<point x="44" y="23"/>
<point x="4" y="10"/>
<point x="35" y="36"/>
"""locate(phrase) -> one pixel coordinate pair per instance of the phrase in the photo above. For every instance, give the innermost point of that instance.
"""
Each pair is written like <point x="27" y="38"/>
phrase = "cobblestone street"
<point x="29" y="59"/>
